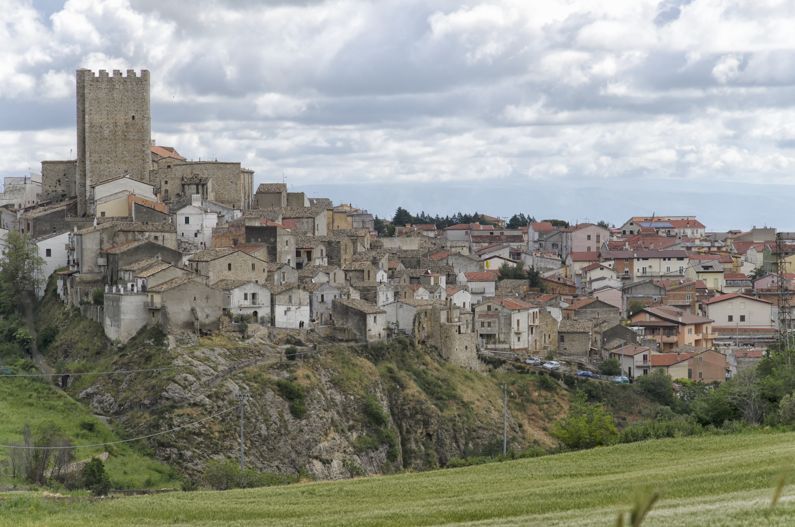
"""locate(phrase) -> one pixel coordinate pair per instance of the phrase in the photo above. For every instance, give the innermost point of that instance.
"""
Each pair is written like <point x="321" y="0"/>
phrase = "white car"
<point x="551" y="365"/>
<point x="533" y="361"/>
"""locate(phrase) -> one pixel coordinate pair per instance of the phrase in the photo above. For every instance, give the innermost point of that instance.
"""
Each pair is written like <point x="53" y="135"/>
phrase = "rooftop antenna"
<point x="283" y="180"/>
<point x="784" y="313"/>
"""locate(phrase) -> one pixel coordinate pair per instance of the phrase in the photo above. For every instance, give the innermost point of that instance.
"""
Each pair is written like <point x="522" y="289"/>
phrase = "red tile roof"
<point x="686" y="224"/>
<point x="542" y="226"/>
<point x="481" y="276"/>
<point x="630" y="350"/>
<point x="470" y="227"/>
<point x="584" y="256"/>
<point x="729" y="296"/>
<point x="166" y="151"/>
<point x="669" y="359"/>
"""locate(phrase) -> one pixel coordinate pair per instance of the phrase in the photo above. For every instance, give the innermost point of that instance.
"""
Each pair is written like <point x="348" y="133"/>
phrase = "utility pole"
<point x="241" y="398"/>
<point x="504" y="419"/>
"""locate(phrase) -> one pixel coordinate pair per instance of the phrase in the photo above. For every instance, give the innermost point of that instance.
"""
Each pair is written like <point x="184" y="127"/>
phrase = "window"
<point x="731" y="318"/>
<point x="229" y="267"/>
<point x="157" y="237"/>
<point x="102" y="214"/>
<point x="253" y="267"/>
<point x="742" y="318"/>
<point x="588" y="237"/>
<point x="375" y="319"/>
<point x="196" y="234"/>
<point x="48" y="252"/>
<point x="322" y="297"/>
<point x="482" y="324"/>
<point x="562" y="338"/>
<point x="598" y="238"/>
<point x="245" y="296"/>
<point x="289" y="299"/>
<point x="253" y="298"/>
<point x="187" y="220"/>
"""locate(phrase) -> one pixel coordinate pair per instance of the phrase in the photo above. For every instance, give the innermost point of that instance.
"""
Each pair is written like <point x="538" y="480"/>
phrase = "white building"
<point x="20" y="192"/>
<point x="290" y="307"/>
<point x="460" y="297"/>
<point x="242" y="297"/>
<point x="51" y="249"/>
<point x="737" y="310"/>
<point x="195" y="224"/>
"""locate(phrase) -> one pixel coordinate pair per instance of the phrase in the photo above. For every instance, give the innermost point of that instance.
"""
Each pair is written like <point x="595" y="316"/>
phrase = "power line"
<point x="78" y="374"/>
<point x="95" y="445"/>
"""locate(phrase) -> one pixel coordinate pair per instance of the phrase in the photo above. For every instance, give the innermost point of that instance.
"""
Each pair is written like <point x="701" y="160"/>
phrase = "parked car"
<point x="620" y="379"/>
<point x="585" y="374"/>
<point x="551" y="365"/>
<point x="533" y="361"/>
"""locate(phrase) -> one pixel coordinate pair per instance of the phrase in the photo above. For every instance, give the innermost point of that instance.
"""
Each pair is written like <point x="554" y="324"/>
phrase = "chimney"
<point x="196" y="200"/>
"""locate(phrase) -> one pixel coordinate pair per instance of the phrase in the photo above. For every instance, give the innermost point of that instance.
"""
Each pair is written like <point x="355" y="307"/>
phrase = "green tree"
<point x="518" y="220"/>
<point x="383" y="227"/>
<point x="402" y="217"/>
<point x="586" y="426"/>
<point x="95" y="478"/>
<point x="511" y="272"/>
<point x="20" y="275"/>
<point x="558" y="223"/>
<point x="657" y="387"/>
<point x="610" y="367"/>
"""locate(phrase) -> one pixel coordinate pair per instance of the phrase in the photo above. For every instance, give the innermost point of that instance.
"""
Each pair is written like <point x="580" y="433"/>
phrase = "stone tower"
<point x="114" y="129"/>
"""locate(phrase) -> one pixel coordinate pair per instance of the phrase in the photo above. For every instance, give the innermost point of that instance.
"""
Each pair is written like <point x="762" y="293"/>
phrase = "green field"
<point x="707" y="480"/>
<point x="25" y="401"/>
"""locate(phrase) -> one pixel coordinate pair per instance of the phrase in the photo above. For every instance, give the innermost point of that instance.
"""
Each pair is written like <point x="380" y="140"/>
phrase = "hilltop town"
<point x="137" y="235"/>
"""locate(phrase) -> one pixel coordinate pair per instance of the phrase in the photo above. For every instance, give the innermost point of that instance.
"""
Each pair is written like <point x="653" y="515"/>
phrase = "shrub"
<point x="35" y="462"/>
<point x="546" y="382"/>
<point x="95" y="478"/>
<point x="373" y="412"/>
<point x="98" y="296"/>
<point x="677" y="426"/>
<point x="658" y="387"/>
<point x="226" y="474"/>
<point x="291" y="353"/>
<point x="46" y="337"/>
<point x="610" y="367"/>
<point x="88" y="426"/>
<point x="586" y="426"/>
<point x="786" y="409"/>
<point x="295" y="395"/>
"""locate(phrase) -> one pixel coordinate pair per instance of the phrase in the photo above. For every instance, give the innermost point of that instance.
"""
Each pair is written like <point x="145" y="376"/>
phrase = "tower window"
<point x="133" y="118"/>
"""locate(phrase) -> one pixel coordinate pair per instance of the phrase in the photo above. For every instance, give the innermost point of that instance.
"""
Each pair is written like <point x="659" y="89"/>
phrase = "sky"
<point x="578" y="110"/>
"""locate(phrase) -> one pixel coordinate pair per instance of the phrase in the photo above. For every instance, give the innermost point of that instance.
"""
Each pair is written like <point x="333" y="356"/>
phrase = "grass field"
<point x="709" y="480"/>
<point x="33" y="402"/>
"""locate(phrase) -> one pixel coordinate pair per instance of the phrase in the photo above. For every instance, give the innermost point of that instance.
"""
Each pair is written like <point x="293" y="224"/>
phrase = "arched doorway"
<point x="256" y="316"/>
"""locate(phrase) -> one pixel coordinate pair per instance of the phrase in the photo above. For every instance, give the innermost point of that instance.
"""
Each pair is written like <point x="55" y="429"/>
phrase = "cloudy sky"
<point x="573" y="109"/>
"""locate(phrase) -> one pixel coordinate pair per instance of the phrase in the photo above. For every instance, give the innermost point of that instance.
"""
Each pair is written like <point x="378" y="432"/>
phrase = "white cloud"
<point x="423" y="91"/>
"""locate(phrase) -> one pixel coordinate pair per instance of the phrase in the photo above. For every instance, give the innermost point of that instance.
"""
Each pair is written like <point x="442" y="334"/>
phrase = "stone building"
<point x="113" y="129"/>
<point x="227" y="183"/>
<point x="185" y="304"/>
<point x="271" y="196"/>
<point x="365" y="320"/>
<point x="228" y="264"/>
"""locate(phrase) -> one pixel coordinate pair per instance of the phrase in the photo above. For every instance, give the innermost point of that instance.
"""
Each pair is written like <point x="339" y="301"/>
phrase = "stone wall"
<point x="124" y="315"/>
<point x="58" y="179"/>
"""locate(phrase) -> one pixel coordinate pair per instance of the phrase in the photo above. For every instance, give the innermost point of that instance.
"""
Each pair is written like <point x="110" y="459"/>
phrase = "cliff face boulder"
<point x="340" y="412"/>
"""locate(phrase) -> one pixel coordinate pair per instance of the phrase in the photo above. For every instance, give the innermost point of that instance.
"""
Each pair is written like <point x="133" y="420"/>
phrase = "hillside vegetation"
<point x="342" y="411"/>
<point x="712" y="480"/>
